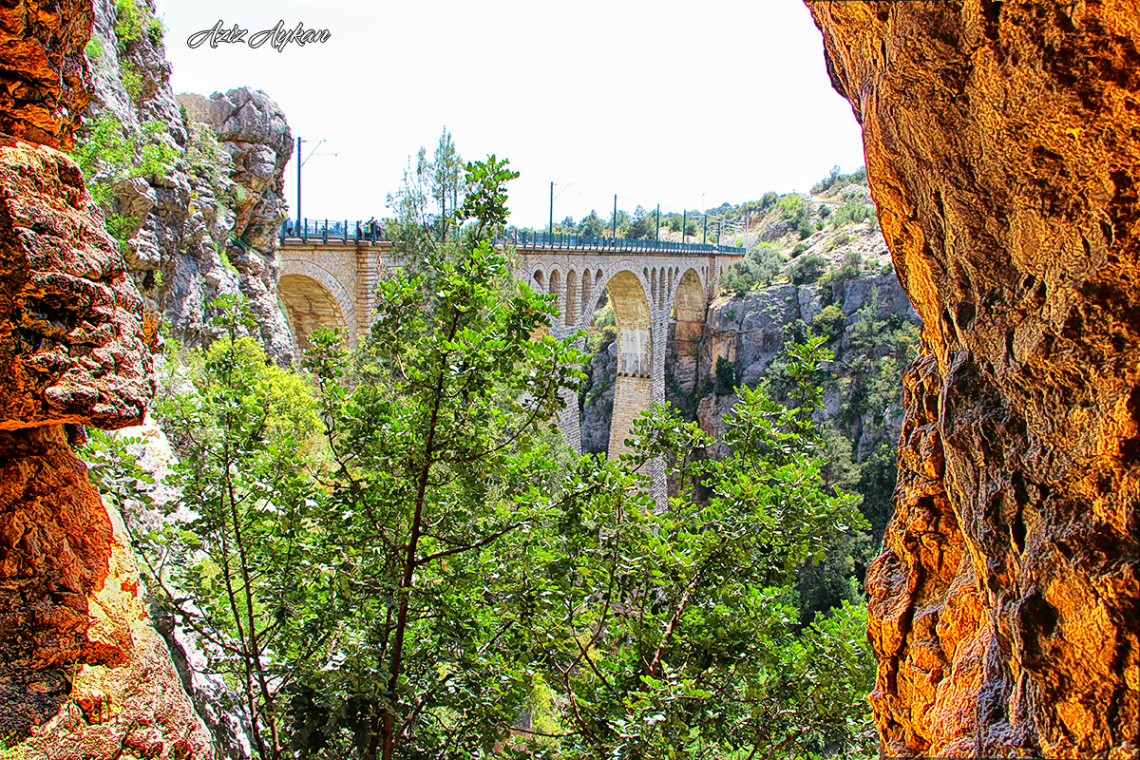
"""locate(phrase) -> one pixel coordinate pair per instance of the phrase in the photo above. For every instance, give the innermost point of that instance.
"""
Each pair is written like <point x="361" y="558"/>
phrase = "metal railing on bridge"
<point x="589" y="242"/>
<point x="326" y="230"/>
<point x="373" y="232"/>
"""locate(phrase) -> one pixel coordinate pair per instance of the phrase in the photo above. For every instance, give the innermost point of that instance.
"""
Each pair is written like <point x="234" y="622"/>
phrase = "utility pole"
<point x="551" y="211"/>
<point x="684" y="223"/>
<point x="300" y="163"/>
<point x="705" y="234"/>
<point x="615" y="216"/>
<point x="657" y="235"/>
<point x="298" y="230"/>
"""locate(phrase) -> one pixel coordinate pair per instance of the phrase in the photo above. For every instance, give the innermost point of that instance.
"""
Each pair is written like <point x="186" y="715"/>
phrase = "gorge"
<point x="1003" y="160"/>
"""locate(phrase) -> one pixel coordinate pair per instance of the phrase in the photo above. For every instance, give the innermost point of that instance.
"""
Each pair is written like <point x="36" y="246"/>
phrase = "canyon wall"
<point x="207" y="226"/>
<point x="1003" y="152"/>
<point x="82" y="671"/>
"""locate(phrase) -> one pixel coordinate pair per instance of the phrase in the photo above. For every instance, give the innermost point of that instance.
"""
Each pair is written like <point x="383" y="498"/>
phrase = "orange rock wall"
<point x="1003" y="150"/>
<point x="82" y="672"/>
<point x="44" y="81"/>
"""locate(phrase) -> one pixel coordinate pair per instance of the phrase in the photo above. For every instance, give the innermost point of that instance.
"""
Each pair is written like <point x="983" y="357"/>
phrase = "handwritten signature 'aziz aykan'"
<point x="278" y="37"/>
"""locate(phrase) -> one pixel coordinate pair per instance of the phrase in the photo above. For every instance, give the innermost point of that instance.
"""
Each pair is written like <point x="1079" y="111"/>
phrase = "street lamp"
<point x="300" y="163"/>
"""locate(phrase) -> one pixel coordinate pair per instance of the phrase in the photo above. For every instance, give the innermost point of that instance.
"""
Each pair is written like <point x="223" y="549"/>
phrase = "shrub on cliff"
<point x="806" y="269"/>
<point x="759" y="266"/>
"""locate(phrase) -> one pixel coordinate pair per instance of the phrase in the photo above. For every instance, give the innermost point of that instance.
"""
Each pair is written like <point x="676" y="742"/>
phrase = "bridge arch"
<point x="629" y="293"/>
<point x="571" y="310"/>
<point x="315" y="297"/>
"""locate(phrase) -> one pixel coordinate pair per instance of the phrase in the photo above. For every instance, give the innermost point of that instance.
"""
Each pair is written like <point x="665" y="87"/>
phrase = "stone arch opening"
<point x="689" y="315"/>
<point x="538" y="279"/>
<point x="309" y="305"/>
<point x="556" y="288"/>
<point x="633" y="390"/>
<point x="587" y="289"/>
<point x="571" y="311"/>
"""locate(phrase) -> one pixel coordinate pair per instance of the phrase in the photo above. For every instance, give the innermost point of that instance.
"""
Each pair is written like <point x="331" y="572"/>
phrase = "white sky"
<point x="658" y="101"/>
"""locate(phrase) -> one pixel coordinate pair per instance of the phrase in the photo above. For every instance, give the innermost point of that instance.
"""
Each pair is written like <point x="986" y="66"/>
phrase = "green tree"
<point x="807" y="269"/>
<point x="674" y="632"/>
<point x="592" y="225"/>
<point x="759" y="266"/>
<point x="429" y="203"/>
<point x="436" y="431"/>
<point x="643" y="226"/>
<point x="244" y="566"/>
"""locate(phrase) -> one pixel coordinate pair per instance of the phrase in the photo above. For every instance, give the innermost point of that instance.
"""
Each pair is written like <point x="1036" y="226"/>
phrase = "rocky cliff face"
<point x="82" y="672"/>
<point x="749" y="333"/>
<point x="46" y="86"/>
<point x="1002" y="153"/>
<point x="206" y="227"/>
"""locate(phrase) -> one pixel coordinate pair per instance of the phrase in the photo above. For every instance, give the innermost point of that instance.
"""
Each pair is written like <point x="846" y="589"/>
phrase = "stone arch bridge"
<point x="331" y="281"/>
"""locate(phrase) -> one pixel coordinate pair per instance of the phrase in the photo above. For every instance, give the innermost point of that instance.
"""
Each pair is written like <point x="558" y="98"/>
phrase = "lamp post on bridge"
<point x="300" y="163"/>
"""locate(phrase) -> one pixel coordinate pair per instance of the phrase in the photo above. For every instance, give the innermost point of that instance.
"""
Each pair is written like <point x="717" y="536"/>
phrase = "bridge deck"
<point x="339" y="233"/>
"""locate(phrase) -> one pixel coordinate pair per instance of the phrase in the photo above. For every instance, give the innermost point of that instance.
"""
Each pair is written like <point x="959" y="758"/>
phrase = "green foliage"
<point x="791" y="206"/>
<point x="130" y="18"/>
<point x="602" y="330"/>
<point x="726" y="376"/>
<point x="430" y="204"/>
<point x="872" y="364"/>
<point x="155" y="30"/>
<point x="204" y="155"/>
<point x="830" y="322"/>
<point x="226" y="263"/>
<point x="95" y="50"/>
<point x="246" y="547"/>
<point x="674" y="632"/>
<point x="107" y="156"/>
<point x="826" y="184"/>
<point x="592" y="225"/>
<point x="835" y="179"/>
<point x="133" y="82"/>
<point x="757" y="269"/>
<point x="877" y="484"/>
<point x="395" y="556"/>
<point x="643" y="226"/>
<point x="796" y="210"/>
<point x="806" y="269"/>
<point x="441" y="475"/>
<point x="851" y="212"/>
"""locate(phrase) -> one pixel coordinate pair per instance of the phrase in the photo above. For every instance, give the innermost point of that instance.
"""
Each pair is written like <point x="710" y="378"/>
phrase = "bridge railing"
<point x="373" y="232"/>
<point x="334" y="230"/>
<point x="590" y="242"/>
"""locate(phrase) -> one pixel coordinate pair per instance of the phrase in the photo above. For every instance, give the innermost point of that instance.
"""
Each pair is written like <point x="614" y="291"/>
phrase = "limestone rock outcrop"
<point x="1002" y="152"/>
<point x="207" y="227"/>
